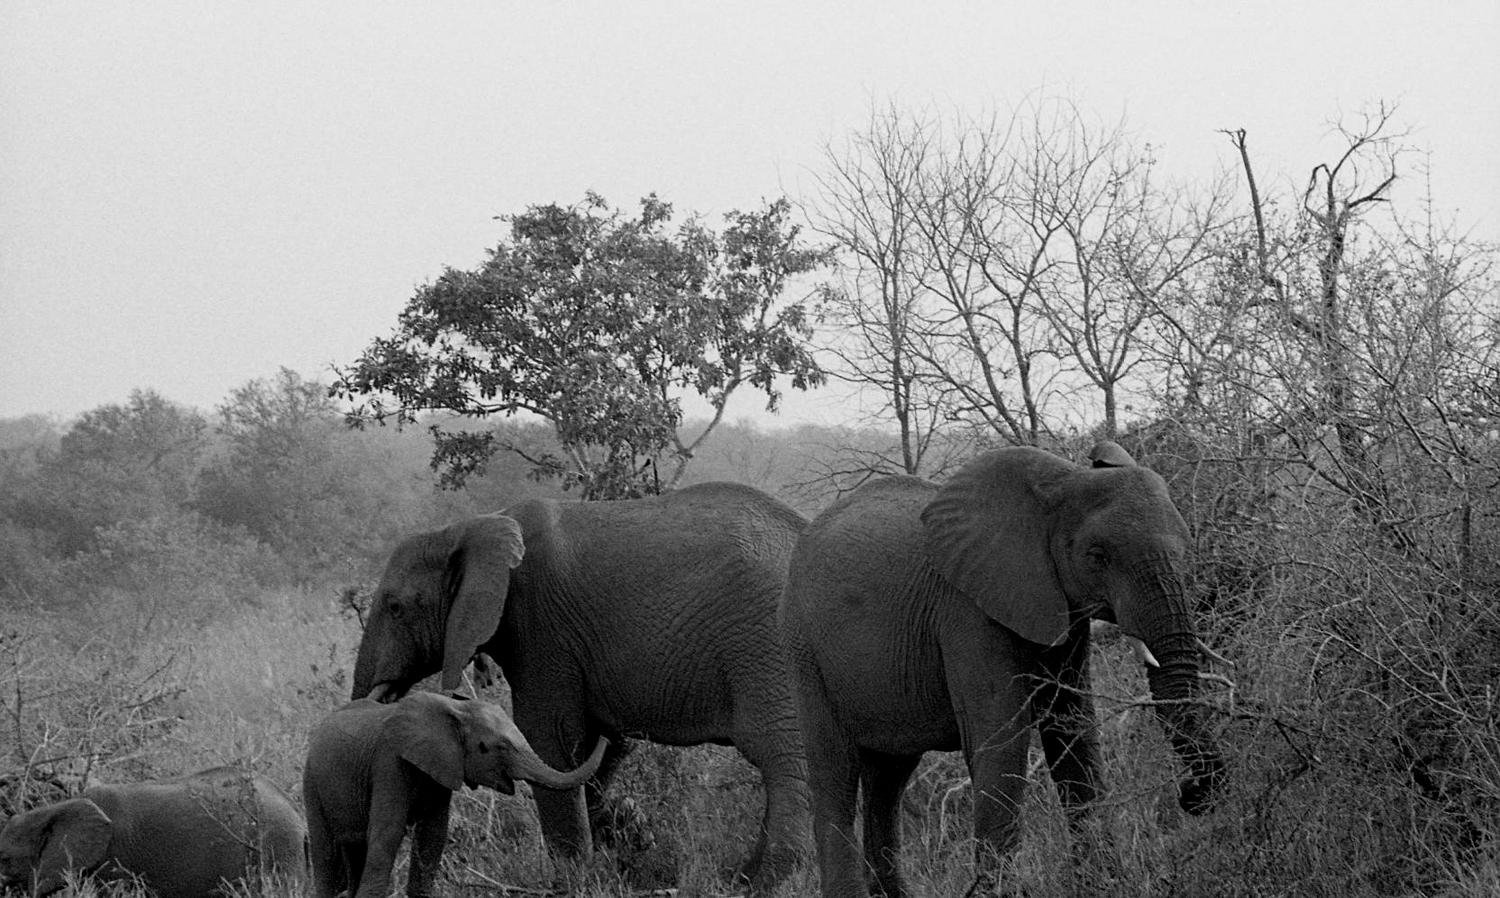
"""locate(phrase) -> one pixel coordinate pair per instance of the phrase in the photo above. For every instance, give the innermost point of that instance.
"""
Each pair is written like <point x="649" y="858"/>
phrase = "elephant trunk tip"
<point x="1202" y="790"/>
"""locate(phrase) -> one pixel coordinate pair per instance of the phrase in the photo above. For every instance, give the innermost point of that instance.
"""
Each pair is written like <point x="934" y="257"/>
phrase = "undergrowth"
<point x="1361" y="736"/>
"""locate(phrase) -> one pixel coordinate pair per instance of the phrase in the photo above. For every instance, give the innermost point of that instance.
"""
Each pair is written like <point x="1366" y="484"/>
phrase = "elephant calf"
<point x="189" y="837"/>
<point x="374" y="769"/>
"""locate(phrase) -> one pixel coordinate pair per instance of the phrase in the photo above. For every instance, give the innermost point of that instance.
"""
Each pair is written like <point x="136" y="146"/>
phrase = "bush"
<point x="176" y="566"/>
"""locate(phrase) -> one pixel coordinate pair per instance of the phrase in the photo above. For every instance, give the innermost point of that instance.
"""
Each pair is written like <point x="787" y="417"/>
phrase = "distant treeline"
<point x="150" y="501"/>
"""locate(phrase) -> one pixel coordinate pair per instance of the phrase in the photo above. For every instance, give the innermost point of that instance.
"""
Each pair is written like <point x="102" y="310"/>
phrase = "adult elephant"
<point x="194" y="836"/>
<point x="652" y="618"/>
<point x="924" y="618"/>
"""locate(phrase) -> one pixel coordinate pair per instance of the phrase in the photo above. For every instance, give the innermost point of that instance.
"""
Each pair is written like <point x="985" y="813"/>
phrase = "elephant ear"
<point x="485" y="549"/>
<point x="1109" y="454"/>
<point x="989" y="534"/>
<point x="426" y="732"/>
<point x="75" y="836"/>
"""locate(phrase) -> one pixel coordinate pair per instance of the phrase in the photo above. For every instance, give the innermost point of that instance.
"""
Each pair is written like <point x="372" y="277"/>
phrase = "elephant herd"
<point x="907" y="617"/>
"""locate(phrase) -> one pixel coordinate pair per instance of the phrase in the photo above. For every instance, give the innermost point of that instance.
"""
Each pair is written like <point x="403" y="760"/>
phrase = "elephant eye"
<point x="484" y="747"/>
<point x="1097" y="556"/>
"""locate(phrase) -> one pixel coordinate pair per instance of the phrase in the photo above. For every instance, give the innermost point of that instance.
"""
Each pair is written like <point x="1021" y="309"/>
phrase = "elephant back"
<point x="238" y="822"/>
<point x="620" y="552"/>
<point x="643" y="596"/>
<point x="875" y="528"/>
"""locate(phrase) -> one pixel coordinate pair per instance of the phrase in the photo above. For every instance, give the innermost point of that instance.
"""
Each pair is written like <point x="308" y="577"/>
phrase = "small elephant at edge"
<point x="374" y="769"/>
<point x="184" y="837"/>
<point x="934" y="618"/>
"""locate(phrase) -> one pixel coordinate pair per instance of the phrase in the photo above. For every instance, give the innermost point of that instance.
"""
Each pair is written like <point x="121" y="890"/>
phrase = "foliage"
<point x="596" y="322"/>
<point x="144" y="508"/>
<point x="293" y="476"/>
<point x="114" y="463"/>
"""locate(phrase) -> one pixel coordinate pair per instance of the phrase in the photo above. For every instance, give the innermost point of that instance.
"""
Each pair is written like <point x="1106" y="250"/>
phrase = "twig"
<point x="494" y="885"/>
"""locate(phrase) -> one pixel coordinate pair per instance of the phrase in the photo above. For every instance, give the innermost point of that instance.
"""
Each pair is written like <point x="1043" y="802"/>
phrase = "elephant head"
<point x="441" y="597"/>
<point x="39" y="847"/>
<point x="459" y="742"/>
<point x="1041" y="544"/>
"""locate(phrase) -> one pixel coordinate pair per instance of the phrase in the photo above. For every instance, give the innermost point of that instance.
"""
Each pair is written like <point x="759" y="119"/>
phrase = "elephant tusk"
<point x="1211" y="654"/>
<point x="1142" y="653"/>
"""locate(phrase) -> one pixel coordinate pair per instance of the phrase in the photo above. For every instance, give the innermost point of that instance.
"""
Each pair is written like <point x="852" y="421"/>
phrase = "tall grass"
<point x="1359" y="720"/>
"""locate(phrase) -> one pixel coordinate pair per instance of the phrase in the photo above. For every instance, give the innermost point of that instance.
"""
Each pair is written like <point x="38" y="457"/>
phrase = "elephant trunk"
<point x="364" y="668"/>
<point x="527" y="765"/>
<point x="378" y="655"/>
<point x="1167" y="630"/>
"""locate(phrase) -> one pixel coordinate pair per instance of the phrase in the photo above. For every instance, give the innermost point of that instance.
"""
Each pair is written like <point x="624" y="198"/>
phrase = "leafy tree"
<point x="301" y="482"/>
<point x="274" y="475"/>
<point x="118" y="462"/>
<point x="599" y="323"/>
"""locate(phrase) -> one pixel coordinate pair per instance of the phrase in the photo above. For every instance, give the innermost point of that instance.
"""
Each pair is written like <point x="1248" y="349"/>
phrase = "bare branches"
<point x="1000" y="272"/>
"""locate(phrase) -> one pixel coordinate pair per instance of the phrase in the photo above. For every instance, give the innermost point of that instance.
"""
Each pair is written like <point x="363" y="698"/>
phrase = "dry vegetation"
<point x="1321" y="389"/>
<point x="1359" y="716"/>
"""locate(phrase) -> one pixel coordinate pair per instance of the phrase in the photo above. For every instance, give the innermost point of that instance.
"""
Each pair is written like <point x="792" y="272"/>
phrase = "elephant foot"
<point x="992" y="884"/>
<point x="1197" y="795"/>
<point x="767" y="867"/>
<point x="892" y="885"/>
<point x="620" y="825"/>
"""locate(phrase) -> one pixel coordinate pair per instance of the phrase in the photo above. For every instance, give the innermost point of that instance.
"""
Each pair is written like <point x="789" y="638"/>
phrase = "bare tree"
<point x="867" y="202"/>
<point x="1001" y="272"/>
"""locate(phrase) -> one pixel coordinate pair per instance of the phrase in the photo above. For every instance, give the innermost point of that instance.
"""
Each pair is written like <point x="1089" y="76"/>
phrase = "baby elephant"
<point x="187" y="837"/>
<point x="373" y="769"/>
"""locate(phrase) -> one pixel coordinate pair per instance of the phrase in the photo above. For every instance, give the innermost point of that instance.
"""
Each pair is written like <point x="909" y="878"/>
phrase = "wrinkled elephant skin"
<point x="182" y="837"/>
<point x="653" y="618"/>
<point x="923" y="618"/>
<point x="374" y="770"/>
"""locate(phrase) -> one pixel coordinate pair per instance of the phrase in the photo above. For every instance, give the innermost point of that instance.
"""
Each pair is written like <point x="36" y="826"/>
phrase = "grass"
<point x="1322" y="800"/>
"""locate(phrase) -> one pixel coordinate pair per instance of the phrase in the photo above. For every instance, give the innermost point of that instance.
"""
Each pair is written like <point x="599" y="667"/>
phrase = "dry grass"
<point x="1332" y="704"/>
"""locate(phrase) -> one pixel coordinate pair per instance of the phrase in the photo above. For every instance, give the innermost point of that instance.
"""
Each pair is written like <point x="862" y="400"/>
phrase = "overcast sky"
<point x="195" y="194"/>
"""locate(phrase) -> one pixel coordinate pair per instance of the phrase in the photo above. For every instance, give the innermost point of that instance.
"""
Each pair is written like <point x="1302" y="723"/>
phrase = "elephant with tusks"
<point x="926" y="618"/>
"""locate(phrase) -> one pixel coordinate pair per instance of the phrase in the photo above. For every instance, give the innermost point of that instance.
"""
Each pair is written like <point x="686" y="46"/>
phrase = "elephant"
<point x="651" y="618"/>
<point x="920" y="618"/>
<point x="188" y="837"/>
<point x="374" y="769"/>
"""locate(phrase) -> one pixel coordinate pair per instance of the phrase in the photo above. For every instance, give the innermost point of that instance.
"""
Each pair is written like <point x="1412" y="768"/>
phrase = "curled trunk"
<point x="530" y="767"/>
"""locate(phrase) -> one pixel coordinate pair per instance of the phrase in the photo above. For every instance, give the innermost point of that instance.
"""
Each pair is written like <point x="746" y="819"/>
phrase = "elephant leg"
<point x="883" y="780"/>
<point x="989" y="680"/>
<point x="329" y="874"/>
<point x="352" y="856"/>
<point x="614" y="823"/>
<point x="556" y="736"/>
<point x="774" y="748"/>
<point x="833" y="778"/>
<point x="429" y="838"/>
<point x="1064" y="714"/>
<point x="385" y="830"/>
